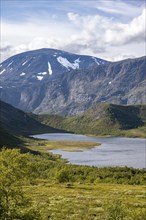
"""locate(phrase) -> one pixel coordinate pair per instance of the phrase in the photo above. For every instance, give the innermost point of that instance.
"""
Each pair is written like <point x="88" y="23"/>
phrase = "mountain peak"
<point x="38" y="65"/>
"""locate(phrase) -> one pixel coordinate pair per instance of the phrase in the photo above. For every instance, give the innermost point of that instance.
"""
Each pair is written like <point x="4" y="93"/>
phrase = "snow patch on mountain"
<point x="76" y="63"/>
<point x="40" y="77"/>
<point x="43" y="73"/>
<point x="49" y="69"/>
<point x="22" y="74"/>
<point x="64" y="62"/>
<point x="10" y="64"/>
<point x="2" y="71"/>
<point x="96" y="61"/>
<point x="24" y="63"/>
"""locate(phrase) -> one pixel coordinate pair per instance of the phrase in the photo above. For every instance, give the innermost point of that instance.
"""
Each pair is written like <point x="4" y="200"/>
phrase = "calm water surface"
<point x="114" y="151"/>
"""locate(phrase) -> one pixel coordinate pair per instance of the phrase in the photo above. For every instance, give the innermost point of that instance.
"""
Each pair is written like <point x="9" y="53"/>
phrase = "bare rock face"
<point x="52" y="81"/>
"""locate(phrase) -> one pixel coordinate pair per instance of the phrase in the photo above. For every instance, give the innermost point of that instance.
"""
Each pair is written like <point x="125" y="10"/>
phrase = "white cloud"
<point x="126" y="8"/>
<point x="134" y="31"/>
<point x="96" y="35"/>
<point x="102" y="32"/>
<point x="30" y="35"/>
<point x="119" y="56"/>
<point x="107" y="31"/>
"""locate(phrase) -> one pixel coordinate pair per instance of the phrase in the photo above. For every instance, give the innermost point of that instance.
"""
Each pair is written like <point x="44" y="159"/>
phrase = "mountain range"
<point x="57" y="82"/>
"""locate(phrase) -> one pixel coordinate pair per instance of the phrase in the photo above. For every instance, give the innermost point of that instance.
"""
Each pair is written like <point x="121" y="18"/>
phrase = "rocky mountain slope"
<point x="52" y="81"/>
<point x="118" y="83"/>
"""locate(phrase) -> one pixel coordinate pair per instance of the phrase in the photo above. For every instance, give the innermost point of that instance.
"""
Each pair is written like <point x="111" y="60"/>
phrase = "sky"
<point x="108" y="29"/>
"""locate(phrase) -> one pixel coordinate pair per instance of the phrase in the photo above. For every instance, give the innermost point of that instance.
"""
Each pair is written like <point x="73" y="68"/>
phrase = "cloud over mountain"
<point x="97" y="30"/>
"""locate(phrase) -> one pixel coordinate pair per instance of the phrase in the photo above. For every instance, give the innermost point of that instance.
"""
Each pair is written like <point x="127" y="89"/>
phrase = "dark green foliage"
<point x="127" y="116"/>
<point x="125" y="175"/>
<point x="17" y="122"/>
<point x="8" y="139"/>
<point x="12" y="141"/>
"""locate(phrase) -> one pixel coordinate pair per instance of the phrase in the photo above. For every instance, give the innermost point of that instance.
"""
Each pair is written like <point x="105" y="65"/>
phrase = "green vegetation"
<point x="103" y="120"/>
<point x="45" y="187"/>
<point x="15" y="167"/>
<point x="39" y="185"/>
<point x="89" y="202"/>
<point x="17" y="122"/>
<point x="45" y="145"/>
<point x="8" y="139"/>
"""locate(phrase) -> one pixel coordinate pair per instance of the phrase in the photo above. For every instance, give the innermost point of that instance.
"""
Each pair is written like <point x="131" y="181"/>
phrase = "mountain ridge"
<point x="42" y="63"/>
<point x="71" y="91"/>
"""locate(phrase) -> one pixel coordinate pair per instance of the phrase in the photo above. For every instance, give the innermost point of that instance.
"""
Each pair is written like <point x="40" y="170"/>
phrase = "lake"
<point x="114" y="151"/>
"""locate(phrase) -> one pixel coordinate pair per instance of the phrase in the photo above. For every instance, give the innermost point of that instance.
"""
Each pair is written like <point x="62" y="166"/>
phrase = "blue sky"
<point x="107" y="29"/>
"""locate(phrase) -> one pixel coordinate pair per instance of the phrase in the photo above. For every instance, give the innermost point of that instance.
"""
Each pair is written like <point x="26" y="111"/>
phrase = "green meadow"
<point x="44" y="186"/>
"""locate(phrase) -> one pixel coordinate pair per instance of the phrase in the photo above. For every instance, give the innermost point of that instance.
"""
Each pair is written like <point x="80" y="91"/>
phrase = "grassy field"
<point x="88" y="201"/>
<point x="44" y="186"/>
<point x="77" y="198"/>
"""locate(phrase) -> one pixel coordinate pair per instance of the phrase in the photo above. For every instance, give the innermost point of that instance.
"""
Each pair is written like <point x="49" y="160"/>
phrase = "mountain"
<point x="57" y="82"/>
<point x="25" y="77"/>
<point x="16" y="122"/>
<point x="118" y="83"/>
<point x="103" y="119"/>
<point x="39" y="66"/>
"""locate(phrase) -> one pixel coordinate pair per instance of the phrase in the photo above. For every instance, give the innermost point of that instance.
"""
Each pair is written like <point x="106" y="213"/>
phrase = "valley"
<point x="73" y="110"/>
<point x="90" y="111"/>
<point x="44" y="185"/>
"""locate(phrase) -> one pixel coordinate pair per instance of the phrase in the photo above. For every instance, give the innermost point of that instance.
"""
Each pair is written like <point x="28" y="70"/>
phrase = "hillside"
<point x="52" y="81"/>
<point x="7" y="139"/>
<point x="15" y="121"/>
<point x="103" y="119"/>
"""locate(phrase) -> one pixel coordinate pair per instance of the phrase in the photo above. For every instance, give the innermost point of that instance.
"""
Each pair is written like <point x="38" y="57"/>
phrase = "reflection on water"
<point x="114" y="151"/>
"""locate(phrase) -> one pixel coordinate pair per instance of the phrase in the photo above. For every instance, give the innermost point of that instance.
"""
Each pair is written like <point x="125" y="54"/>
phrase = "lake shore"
<point x="114" y="151"/>
<point x="68" y="146"/>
